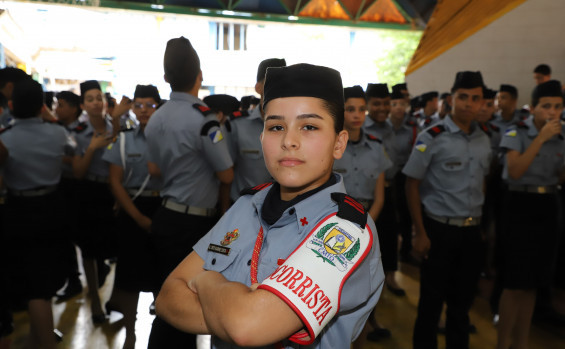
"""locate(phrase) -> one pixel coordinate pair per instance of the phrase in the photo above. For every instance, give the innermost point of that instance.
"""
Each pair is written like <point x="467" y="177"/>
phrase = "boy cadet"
<point x="187" y="149"/>
<point x="249" y="169"/>
<point x="508" y="114"/>
<point x="300" y="238"/>
<point x="428" y="115"/>
<point x="542" y="73"/>
<point x="444" y="187"/>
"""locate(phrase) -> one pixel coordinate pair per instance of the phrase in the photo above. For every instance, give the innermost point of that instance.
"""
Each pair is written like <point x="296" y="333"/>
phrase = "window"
<point x="229" y="36"/>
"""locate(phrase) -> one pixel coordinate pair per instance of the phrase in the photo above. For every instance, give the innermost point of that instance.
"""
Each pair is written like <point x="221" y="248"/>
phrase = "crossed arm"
<point x="229" y="310"/>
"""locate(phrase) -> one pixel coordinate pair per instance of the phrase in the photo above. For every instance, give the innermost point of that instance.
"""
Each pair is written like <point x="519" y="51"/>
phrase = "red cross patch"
<point x="303" y="221"/>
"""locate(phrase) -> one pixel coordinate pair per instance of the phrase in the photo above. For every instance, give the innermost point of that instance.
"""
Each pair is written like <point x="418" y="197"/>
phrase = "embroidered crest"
<point x="510" y="133"/>
<point x="335" y="246"/>
<point x="421" y="146"/>
<point x="216" y="136"/>
<point x="230" y="237"/>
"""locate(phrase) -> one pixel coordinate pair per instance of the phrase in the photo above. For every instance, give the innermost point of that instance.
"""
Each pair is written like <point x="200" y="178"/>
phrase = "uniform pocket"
<point x="219" y="258"/>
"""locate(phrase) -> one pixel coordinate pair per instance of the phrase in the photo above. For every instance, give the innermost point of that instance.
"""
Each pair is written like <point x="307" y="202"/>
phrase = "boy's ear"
<point x="340" y="144"/>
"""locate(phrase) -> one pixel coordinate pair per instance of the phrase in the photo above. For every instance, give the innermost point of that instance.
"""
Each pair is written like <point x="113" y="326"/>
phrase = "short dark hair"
<point x="543" y="69"/>
<point x="13" y="75"/>
<point x="72" y="99"/>
<point x="27" y="99"/>
<point x="181" y="64"/>
<point x="337" y="112"/>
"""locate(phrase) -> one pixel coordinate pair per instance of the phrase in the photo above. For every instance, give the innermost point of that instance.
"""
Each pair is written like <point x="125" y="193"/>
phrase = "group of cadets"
<point x="146" y="189"/>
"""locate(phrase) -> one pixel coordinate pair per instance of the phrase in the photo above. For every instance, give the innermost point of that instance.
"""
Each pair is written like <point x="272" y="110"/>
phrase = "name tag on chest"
<point x="219" y="249"/>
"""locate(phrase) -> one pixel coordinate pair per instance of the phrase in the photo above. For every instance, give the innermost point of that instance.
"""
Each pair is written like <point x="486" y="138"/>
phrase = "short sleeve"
<point x="215" y="145"/>
<point x="112" y="152"/>
<point x="385" y="162"/>
<point x="420" y="157"/>
<point x="511" y="140"/>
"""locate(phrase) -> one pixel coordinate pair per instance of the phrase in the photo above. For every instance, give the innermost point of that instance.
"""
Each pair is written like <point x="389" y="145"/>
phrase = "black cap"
<point x="377" y="91"/>
<point x="467" y="80"/>
<point x="488" y="93"/>
<point x="444" y="95"/>
<point x="397" y="94"/>
<point x="428" y="96"/>
<point x="69" y="97"/>
<point x="225" y="103"/>
<point x="551" y="88"/>
<point x="510" y="89"/>
<point x="303" y="80"/>
<point x="353" y="92"/>
<point x="400" y="87"/>
<point x="415" y="103"/>
<point x="269" y="63"/>
<point x="147" y="91"/>
<point x="181" y="63"/>
<point x="89" y="85"/>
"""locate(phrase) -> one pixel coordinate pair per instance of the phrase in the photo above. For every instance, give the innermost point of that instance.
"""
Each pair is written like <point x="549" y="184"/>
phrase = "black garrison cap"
<point x="467" y="80"/>
<point x="89" y="85"/>
<point x="551" y="88"/>
<point x="377" y="91"/>
<point x="224" y="103"/>
<point x="353" y="92"/>
<point x="488" y="93"/>
<point x="269" y="63"/>
<point x="147" y="91"/>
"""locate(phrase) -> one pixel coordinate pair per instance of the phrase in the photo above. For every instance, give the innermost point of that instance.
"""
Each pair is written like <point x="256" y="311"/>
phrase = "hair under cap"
<point x="303" y="80"/>
<point x="510" y="89"/>
<point x="551" y="88"/>
<point x="225" y="103"/>
<point x="147" y="91"/>
<point x="400" y="87"/>
<point x="269" y="63"/>
<point x="353" y="92"/>
<point x="89" y="85"/>
<point x="488" y="93"/>
<point x="428" y="96"/>
<point x="377" y="91"/>
<point x="467" y="80"/>
<point x="397" y="94"/>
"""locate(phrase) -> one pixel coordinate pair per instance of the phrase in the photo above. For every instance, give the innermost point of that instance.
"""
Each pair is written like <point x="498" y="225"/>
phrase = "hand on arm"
<point x="123" y="198"/>
<point x="153" y="169"/>
<point x="518" y="163"/>
<point x="119" y="110"/>
<point x="378" y="197"/>
<point x="421" y="241"/>
<point x="82" y="163"/>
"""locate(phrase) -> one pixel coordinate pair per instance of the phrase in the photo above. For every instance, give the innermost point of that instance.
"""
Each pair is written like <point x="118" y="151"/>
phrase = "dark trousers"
<point x="387" y="230"/>
<point x="173" y="235"/>
<point x="403" y="213"/>
<point x="450" y="274"/>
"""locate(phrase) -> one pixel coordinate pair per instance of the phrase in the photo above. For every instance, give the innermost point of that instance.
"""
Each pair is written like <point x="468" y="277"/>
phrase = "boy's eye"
<point x="310" y="127"/>
<point x="276" y="128"/>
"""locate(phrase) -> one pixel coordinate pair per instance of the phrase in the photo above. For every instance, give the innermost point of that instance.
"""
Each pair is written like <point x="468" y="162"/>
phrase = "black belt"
<point x="536" y="189"/>
<point x="186" y="209"/>
<point x="33" y="192"/>
<point x="456" y="221"/>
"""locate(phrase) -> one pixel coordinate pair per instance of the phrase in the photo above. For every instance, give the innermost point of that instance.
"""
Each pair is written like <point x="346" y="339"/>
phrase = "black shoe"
<point x="73" y="288"/>
<point x="99" y="319"/>
<point x="152" y="308"/>
<point x="378" y="334"/>
<point x="58" y="335"/>
<point x="396" y="291"/>
<point x="103" y="271"/>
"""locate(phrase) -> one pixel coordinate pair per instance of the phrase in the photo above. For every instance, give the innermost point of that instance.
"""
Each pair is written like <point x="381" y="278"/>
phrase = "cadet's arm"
<point x="124" y="200"/>
<point x="518" y="163"/>
<point x="414" y="203"/>
<point x="82" y="163"/>
<point x="153" y="169"/>
<point x="243" y="316"/>
<point x="378" y="197"/>
<point x="226" y="178"/>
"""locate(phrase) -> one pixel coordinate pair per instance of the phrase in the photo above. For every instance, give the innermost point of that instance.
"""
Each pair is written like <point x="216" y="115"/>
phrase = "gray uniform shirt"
<point x="249" y="165"/>
<point x="83" y="135"/>
<point x="547" y="164"/>
<point x="503" y="125"/>
<point x="361" y="165"/>
<point x="189" y="148"/>
<point x="385" y="133"/>
<point x="135" y="151"/>
<point x="404" y="139"/>
<point x="36" y="150"/>
<point x="452" y="166"/>
<point x="360" y="292"/>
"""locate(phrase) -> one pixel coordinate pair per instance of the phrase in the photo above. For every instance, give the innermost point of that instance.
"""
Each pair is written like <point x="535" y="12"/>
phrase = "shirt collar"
<point x="34" y="120"/>
<point x="255" y="114"/>
<point x="453" y="128"/>
<point x="532" y="129"/>
<point x="303" y="211"/>
<point x="182" y="96"/>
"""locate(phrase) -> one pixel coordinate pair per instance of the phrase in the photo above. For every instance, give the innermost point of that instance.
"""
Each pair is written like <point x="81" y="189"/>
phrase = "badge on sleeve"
<point x="510" y="133"/>
<point x="230" y="237"/>
<point x="216" y="136"/>
<point x="421" y="146"/>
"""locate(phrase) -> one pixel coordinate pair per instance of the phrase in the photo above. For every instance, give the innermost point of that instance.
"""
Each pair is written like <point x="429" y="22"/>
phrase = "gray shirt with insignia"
<point x="385" y="133"/>
<point x="189" y="148"/>
<point x="359" y="293"/>
<point x="547" y="164"/>
<point x="83" y="135"/>
<point x="36" y="149"/>
<point x="361" y="165"/>
<point x="451" y="165"/>
<point x="249" y="165"/>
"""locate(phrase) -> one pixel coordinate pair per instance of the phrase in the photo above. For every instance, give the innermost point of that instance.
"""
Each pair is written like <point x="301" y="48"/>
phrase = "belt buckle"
<point x="468" y="221"/>
<point x="541" y="190"/>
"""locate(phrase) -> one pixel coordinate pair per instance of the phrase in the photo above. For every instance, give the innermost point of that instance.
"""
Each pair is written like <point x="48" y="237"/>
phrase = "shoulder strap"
<point x="350" y="209"/>
<point x="204" y="110"/>
<point x="436" y="130"/>
<point x="123" y="156"/>
<point x="255" y="189"/>
<point x="373" y="138"/>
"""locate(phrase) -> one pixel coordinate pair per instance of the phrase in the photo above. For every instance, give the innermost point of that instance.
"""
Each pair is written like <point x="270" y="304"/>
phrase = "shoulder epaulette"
<point x="80" y="127"/>
<point x="254" y="190"/>
<point x="239" y="114"/>
<point x="427" y="122"/>
<point x="485" y="128"/>
<point x="350" y="209"/>
<point x="494" y="127"/>
<point x="4" y="129"/>
<point x="436" y="130"/>
<point x="411" y="123"/>
<point x="202" y="109"/>
<point x="522" y="124"/>
<point x="373" y="138"/>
